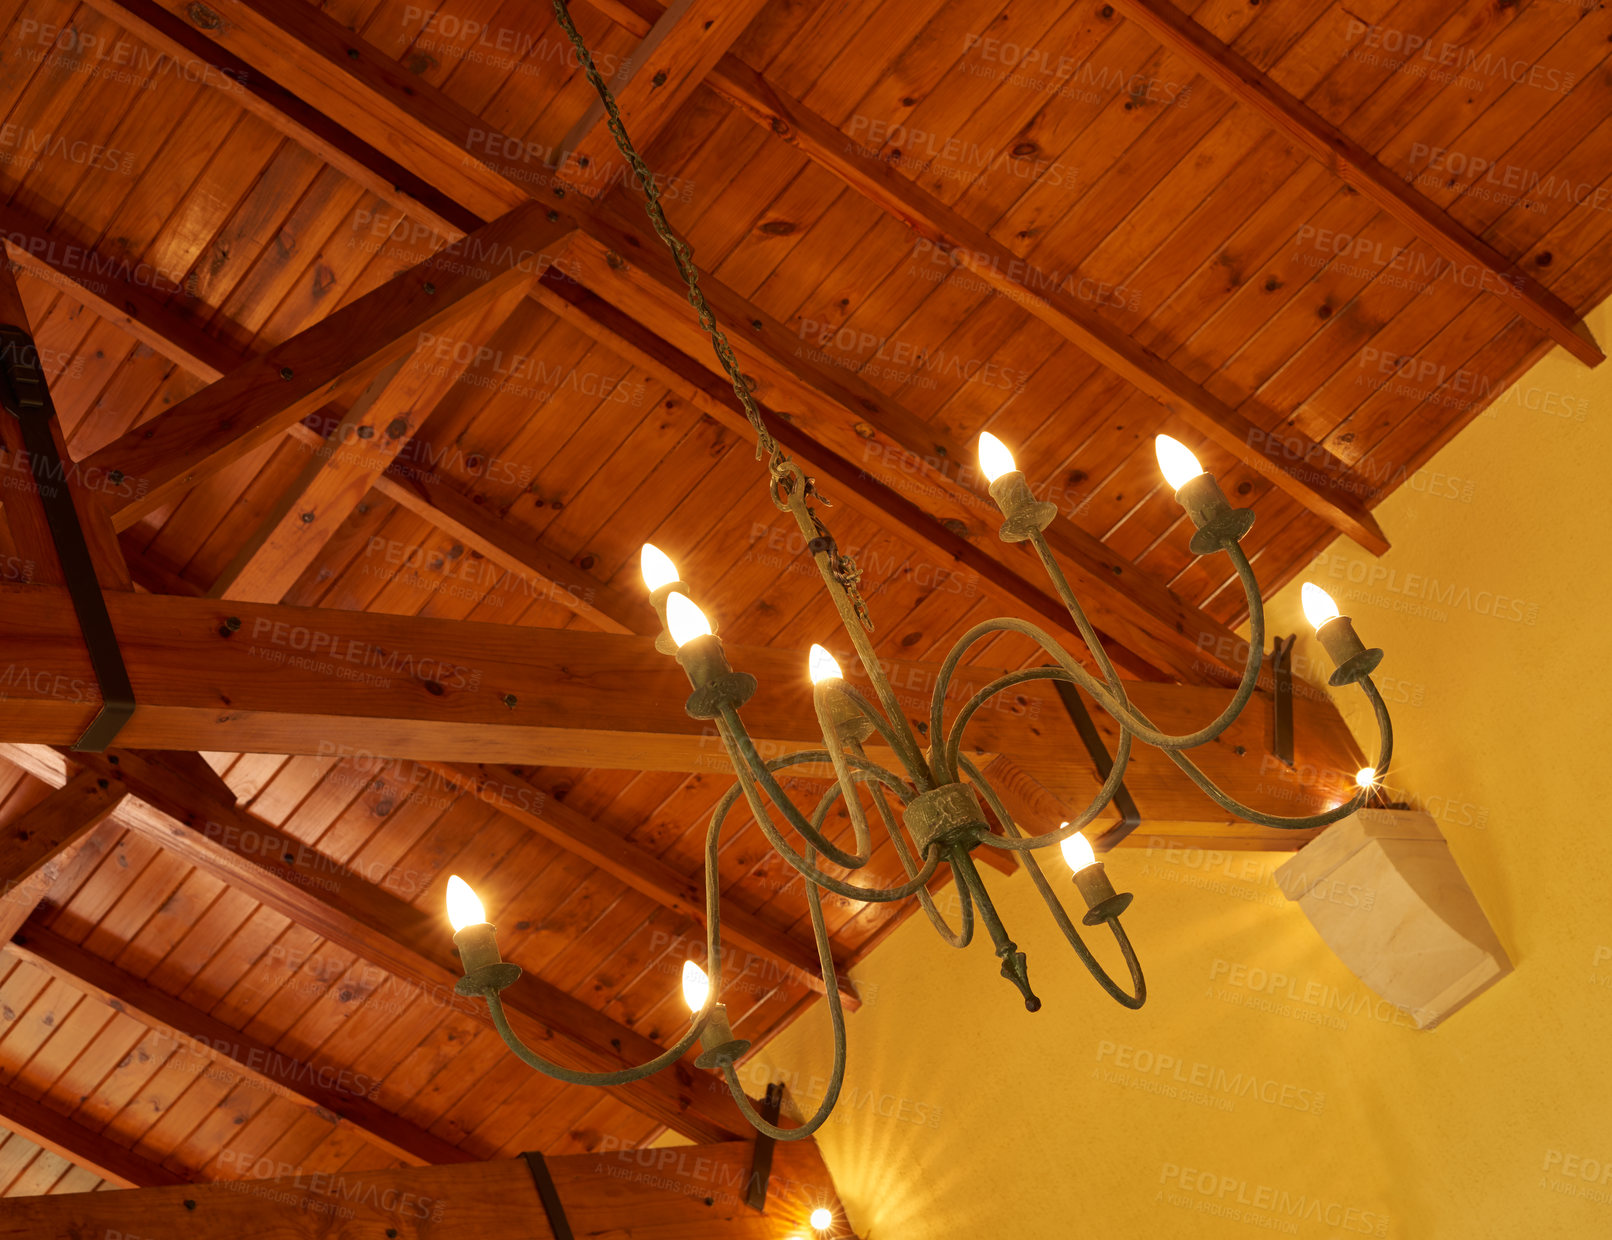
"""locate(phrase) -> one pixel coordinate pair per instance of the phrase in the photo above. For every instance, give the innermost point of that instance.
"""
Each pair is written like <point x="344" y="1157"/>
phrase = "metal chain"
<point x="781" y="470"/>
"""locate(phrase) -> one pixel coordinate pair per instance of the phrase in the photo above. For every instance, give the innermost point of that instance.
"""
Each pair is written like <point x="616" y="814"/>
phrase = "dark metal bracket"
<point x="549" y="1196"/>
<point x="1282" y="725"/>
<point x="772" y="1106"/>
<point x="26" y="396"/>
<point x="1130" y="816"/>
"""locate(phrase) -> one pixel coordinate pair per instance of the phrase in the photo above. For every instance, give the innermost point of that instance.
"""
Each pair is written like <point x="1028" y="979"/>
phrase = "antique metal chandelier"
<point x="939" y="795"/>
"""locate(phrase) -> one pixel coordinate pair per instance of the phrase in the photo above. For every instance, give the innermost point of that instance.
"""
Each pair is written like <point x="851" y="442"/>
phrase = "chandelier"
<point x="930" y="800"/>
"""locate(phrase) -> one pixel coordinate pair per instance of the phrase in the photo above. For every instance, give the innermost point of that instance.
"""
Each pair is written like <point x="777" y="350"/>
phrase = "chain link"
<point x="782" y="472"/>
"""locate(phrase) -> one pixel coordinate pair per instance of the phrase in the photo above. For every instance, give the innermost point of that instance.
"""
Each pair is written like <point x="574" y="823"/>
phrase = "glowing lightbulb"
<point x="464" y="909"/>
<point x="1318" y="604"/>
<point x="822" y="1218"/>
<point x="1366" y="776"/>
<point x="1176" y="461"/>
<point x="1077" y="851"/>
<point x="995" y="459"/>
<point x="696" y="986"/>
<point x="684" y="619"/>
<point x="657" y="567"/>
<point x="823" y="665"/>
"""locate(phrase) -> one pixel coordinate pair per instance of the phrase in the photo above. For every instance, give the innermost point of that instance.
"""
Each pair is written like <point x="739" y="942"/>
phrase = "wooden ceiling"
<point x="238" y="231"/>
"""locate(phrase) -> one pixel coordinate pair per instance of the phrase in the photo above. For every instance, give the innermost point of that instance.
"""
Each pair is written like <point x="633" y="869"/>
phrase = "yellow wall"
<point x="997" y="1123"/>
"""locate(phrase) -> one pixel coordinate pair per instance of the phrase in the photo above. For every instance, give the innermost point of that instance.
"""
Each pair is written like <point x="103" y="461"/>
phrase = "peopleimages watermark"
<point x="1422" y="594"/>
<point x="1262" y="1205"/>
<point x="121" y="60"/>
<point x="353" y="658"/>
<point x="953" y="159"/>
<point x="23" y="148"/>
<point x="1055" y="73"/>
<point x="1505" y="183"/>
<point x="465" y="38"/>
<point x="807" y="1092"/>
<point x="1401" y="266"/>
<point x="1306" y="999"/>
<point x="1578" y="1175"/>
<point x="1173" y="1076"/>
<point x="907" y="361"/>
<point x="343" y="1188"/>
<point x="1023" y="278"/>
<point x="518" y="374"/>
<point x="1443" y="61"/>
<point x="539" y="164"/>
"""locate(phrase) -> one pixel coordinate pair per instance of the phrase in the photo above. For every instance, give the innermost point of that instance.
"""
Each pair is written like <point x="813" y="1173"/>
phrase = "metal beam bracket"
<point x="549" y="1196"/>
<point x="26" y="396"/>
<point x="772" y="1106"/>
<point x="1282" y="700"/>
<point x="1130" y="816"/>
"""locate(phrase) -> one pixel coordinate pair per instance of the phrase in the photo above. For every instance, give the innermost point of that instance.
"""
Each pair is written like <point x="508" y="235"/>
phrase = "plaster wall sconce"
<point x="1384" y="892"/>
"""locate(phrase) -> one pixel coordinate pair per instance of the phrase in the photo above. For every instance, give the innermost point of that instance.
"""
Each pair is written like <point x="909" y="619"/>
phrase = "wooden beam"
<point x="25" y="509"/>
<point x="290" y="680"/>
<point x="531" y="799"/>
<point x="554" y="577"/>
<point x="265" y="396"/>
<point x="690" y="1193"/>
<point x="81" y="1146"/>
<point x="712" y="394"/>
<point x="322" y="896"/>
<point x="676" y="53"/>
<point x="55" y="883"/>
<point x="311" y="54"/>
<point x="29" y="843"/>
<point x="308" y="513"/>
<point x="1304" y="470"/>
<point x="57" y="258"/>
<point x="1348" y="160"/>
<point x="292" y="1078"/>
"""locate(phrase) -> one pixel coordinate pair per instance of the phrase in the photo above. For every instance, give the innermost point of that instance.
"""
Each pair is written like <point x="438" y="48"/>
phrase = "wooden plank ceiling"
<point x="1265" y="228"/>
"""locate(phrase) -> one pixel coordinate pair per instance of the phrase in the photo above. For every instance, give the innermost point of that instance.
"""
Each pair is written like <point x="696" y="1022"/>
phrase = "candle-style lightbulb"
<point x="684" y="620"/>
<point x="822" y="1219"/>
<point x="1336" y="633"/>
<point x="1077" y="852"/>
<point x="464" y="907"/>
<point x="822" y="665"/>
<point x="995" y="459"/>
<point x="1366" y="776"/>
<point x="696" y="986"/>
<point x="1319" y="606"/>
<point x="1176" y="461"/>
<point x="657" y="567"/>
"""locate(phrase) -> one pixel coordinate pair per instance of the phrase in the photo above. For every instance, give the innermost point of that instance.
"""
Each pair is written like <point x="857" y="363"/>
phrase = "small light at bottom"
<point x="822" y="1219"/>
<point x="1366" y="776"/>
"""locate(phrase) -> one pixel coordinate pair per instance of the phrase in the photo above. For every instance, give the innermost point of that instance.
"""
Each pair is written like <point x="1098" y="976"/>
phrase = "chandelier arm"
<point x="836" y="1016"/>
<point x="1087" y="633"/>
<point x="878" y="895"/>
<point x="623" y="1076"/>
<point x="907" y="750"/>
<point x="1055" y="906"/>
<point x="752" y="769"/>
<point x="1357" y="802"/>
<point x="953" y="938"/>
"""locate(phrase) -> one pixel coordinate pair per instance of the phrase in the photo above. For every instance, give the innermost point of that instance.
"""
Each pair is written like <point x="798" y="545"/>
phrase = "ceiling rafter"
<point x="337" y="71"/>
<point x="289" y="679"/>
<point x="48" y="255"/>
<point x="1356" y="166"/>
<point x="264" y="397"/>
<point x="364" y="918"/>
<point x="204" y="1034"/>
<point x="78" y="1144"/>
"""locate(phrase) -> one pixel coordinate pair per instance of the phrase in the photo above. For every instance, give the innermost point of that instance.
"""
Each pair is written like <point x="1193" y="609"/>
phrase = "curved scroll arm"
<point x="842" y="774"/>
<point x="1138" y="983"/>
<point x="623" y="1076"/>
<point x="746" y="786"/>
